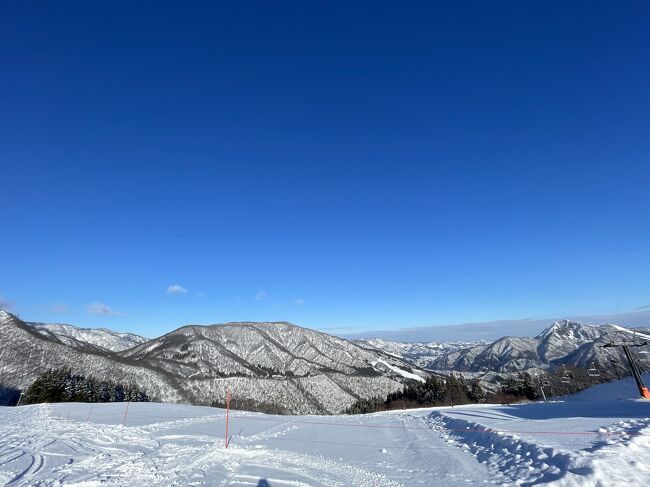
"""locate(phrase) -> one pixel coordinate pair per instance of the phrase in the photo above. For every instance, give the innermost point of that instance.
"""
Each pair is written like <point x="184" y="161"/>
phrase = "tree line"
<point x="434" y="391"/>
<point x="455" y="389"/>
<point x="61" y="385"/>
<point x="248" y="404"/>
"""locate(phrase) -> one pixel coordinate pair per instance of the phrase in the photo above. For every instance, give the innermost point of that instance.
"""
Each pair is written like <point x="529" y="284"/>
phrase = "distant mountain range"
<point x="421" y="354"/>
<point x="564" y="342"/>
<point x="279" y="366"/>
<point x="494" y="330"/>
<point x="285" y="368"/>
<point x="105" y="340"/>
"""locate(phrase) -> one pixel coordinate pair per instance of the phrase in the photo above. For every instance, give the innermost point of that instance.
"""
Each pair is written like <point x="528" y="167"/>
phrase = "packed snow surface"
<point x="603" y="441"/>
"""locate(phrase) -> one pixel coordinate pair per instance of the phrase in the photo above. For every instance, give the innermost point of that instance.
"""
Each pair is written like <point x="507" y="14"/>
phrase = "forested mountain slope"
<point x="274" y="366"/>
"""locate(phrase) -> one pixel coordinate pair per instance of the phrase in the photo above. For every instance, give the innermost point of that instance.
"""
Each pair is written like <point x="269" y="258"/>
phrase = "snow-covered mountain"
<point x="279" y="366"/>
<point x="564" y="342"/>
<point x="283" y="367"/>
<point x="102" y="338"/>
<point x="422" y="354"/>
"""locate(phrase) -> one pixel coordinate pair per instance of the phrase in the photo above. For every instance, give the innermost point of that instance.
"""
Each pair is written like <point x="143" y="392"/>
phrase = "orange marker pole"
<point x="227" y="414"/>
<point x="126" y="411"/>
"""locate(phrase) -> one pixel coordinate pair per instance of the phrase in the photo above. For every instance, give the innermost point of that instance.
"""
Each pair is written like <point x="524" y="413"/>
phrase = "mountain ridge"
<point x="493" y="330"/>
<point x="104" y="338"/>
<point x="290" y="368"/>
<point x="564" y="342"/>
<point x="279" y="365"/>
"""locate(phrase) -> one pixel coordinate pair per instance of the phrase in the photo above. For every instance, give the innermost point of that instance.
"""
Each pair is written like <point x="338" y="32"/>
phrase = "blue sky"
<point x="365" y="166"/>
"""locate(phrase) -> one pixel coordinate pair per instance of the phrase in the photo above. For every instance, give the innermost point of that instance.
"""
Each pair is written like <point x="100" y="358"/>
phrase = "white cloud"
<point x="101" y="309"/>
<point x="200" y="295"/>
<point x="60" y="307"/>
<point x="300" y="301"/>
<point x="5" y="304"/>
<point x="176" y="289"/>
<point x="260" y="295"/>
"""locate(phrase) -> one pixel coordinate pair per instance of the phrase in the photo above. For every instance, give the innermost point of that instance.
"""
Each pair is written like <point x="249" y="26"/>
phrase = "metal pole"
<point x="643" y="390"/>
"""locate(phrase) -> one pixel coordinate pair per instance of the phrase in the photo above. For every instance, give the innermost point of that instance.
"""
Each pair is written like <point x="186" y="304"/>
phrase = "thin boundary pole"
<point x="227" y="415"/>
<point x="91" y="410"/>
<point x="126" y="411"/>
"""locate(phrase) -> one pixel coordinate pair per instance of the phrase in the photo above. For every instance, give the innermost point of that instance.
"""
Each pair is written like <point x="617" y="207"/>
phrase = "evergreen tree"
<point x="477" y="394"/>
<point x="62" y="386"/>
<point x="529" y="390"/>
<point x="456" y="391"/>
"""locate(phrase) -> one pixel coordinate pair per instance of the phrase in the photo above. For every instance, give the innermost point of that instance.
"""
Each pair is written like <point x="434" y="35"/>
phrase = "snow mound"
<point x="600" y="437"/>
<point x="621" y="453"/>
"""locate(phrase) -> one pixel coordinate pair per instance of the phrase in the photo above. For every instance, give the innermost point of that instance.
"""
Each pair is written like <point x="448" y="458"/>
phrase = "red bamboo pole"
<point x="125" y="412"/>
<point x="227" y="414"/>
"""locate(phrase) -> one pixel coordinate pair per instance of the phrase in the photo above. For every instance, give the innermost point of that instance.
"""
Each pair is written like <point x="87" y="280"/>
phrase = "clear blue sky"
<point x="365" y="166"/>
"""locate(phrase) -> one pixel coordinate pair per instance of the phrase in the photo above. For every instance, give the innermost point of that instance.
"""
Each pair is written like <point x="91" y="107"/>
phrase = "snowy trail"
<point x="618" y="455"/>
<point x="40" y="446"/>
<point x="574" y="443"/>
<point x="580" y="442"/>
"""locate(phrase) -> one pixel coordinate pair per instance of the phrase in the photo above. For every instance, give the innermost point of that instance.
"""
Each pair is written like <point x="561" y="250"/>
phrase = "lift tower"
<point x="626" y="343"/>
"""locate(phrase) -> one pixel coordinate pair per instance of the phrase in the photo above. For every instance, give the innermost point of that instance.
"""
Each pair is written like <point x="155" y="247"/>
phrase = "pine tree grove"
<point x="61" y="385"/>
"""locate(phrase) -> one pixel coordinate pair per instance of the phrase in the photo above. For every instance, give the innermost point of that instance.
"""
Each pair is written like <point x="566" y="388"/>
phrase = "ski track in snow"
<point x="88" y="454"/>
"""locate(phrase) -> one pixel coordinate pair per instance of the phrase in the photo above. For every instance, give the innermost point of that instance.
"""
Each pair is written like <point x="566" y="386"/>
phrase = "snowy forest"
<point x="455" y="390"/>
<point x="61" y="385"/>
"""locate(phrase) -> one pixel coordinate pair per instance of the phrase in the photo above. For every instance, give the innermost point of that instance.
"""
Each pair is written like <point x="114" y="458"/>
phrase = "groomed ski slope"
<point x="598" y="438"/>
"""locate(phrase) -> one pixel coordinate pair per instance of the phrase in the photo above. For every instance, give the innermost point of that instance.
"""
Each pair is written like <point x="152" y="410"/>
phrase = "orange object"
<point x="645" y="393"/>
<point x="126" y="411"/>
<point x="227" y="414"/>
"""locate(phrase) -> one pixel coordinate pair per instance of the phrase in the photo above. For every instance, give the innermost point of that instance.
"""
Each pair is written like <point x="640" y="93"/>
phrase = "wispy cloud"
<point x="260" y="295"/>
<point x="5" y="304"/>
<point x="300" y="301"/>
<point x="342" y="330"/>
<point x="200" y="295"/>
<point x="176" y="289"/>
<point x="59" y="308"/>
<point x="101" y="309"/>
<point x="645" y="306"/>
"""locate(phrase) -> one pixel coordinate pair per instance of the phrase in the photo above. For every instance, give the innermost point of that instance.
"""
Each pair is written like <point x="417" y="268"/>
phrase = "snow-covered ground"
<point x="598" y="438"/>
